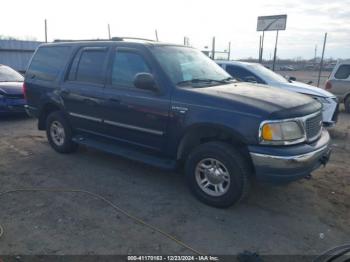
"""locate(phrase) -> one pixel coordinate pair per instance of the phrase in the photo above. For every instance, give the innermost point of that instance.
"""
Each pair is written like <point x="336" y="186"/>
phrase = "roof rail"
<point x="116" y="38"/>
<point x="78" y="40"/>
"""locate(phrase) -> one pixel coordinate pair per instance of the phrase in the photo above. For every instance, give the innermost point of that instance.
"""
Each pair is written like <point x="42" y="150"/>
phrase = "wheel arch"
<point x="46" y="109"/>
<point x="346" y="96"/>
<point x="206" y="132"/>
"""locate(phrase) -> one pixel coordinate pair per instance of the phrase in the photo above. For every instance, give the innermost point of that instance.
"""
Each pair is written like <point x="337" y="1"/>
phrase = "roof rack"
<point x="116" y="38"/>
<point x="78" y="40"/>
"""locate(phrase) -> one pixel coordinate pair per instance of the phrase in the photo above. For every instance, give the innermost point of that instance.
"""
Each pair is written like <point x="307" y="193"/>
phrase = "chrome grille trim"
<point x="313" y="127"/>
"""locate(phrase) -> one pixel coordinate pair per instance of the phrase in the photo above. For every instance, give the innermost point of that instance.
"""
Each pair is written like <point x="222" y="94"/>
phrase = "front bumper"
<point x="284" y="164"/>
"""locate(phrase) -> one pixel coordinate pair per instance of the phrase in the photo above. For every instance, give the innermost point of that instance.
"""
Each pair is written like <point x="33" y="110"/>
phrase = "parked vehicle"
<point x="256" y="73"/>
<point x="338" y="83"/>
<point x="11" y="94"/>
<point x="171" y="106"/>
<point x="287" y="68"/>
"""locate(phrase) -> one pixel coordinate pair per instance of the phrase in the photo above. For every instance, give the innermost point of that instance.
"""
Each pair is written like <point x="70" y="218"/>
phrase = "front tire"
<point x="347" y="104"/>
<point x="59" y="133"/>
<point x="218" y="174"/>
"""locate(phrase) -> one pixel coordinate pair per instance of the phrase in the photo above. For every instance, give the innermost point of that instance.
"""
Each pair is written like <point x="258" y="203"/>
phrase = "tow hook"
<point x="325" y="158"/>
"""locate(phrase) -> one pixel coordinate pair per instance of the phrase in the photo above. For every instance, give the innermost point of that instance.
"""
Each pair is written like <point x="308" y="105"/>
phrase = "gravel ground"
<point x="304" y="217"/>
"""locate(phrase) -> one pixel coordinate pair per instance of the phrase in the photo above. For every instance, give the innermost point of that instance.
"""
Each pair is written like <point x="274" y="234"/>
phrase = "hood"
<point x="261" y="100"/>
<point x="303" y="88"/>
<point x="11" y="88"/>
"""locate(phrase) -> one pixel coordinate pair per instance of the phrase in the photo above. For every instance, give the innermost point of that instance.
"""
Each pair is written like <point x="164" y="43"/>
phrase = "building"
<point x="17" y="53"/>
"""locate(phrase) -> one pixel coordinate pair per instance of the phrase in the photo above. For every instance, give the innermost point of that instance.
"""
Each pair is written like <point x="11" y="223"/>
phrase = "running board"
<point x="126" y="152"/>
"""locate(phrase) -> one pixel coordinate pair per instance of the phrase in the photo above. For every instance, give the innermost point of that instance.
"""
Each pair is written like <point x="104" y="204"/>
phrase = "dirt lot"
<point x="304" y="217"/>
<point x="306" y="76"/>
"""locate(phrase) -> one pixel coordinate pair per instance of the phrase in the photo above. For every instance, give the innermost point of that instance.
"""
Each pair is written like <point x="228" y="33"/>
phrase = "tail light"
<point x="328" y="85"/>
<point x="24" y="90"/>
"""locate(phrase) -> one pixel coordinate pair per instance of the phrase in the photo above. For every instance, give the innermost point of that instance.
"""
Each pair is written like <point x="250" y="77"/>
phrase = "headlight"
<point x="281" y="132"/>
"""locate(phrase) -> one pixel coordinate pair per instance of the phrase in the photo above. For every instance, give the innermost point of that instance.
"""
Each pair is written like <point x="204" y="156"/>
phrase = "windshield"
<point x="188" y="65"/>
<point x="267" y="74"/>
<point x="7" y="74"/>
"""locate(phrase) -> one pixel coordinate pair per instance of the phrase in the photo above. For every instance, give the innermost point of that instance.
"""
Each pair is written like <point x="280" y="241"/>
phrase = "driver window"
<point x="125" y="66"/>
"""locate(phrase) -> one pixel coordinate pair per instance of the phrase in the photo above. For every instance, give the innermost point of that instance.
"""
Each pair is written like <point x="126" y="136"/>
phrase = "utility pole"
<point x="259" y="49"/>
<point x="262" y="47"/>
<point x="315" y="53"/>
<point x="275" y="54"/>
<point x="213" y="49"/>
<point x="45" y="31"/>
<point x="321" y="63"/>
<point x="156" y="35"/>
<point x="109" y="32"/>
<point x="229" y="50"/>
<point x="186" y="41"/>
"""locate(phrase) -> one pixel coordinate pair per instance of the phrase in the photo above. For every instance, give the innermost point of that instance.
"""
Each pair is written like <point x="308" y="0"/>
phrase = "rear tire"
<point x="218" y="174"/>
<point x="59" y="133"/>
<point x="347" y="104"/>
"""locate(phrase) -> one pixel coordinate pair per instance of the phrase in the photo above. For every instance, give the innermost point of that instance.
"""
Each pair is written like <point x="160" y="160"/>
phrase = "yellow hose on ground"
<point x="115" y="207"/>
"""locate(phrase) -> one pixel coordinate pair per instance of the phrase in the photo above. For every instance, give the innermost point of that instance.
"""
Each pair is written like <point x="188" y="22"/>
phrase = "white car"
<point x="338" y="83"/>
<point x="257" y="73"/>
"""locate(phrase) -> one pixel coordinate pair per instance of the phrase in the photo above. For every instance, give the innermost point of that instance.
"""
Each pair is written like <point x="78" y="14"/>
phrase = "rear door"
<point x="83" y="89"/>
<point x="132" y="115"/>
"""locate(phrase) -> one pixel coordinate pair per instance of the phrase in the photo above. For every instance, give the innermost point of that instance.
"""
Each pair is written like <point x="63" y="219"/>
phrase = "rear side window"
<point x="126" y="65"/>
<point x="48" y="62"/>
<point x="88" y="66"/>
<point x="343" y="72"/>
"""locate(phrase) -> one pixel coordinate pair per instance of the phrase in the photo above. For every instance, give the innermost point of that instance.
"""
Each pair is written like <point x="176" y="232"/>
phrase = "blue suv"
<point x="171" y="106"/>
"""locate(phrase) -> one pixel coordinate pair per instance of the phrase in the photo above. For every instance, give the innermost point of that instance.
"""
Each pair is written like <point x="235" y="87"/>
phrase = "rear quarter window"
<point x="343" y="72"/>
<point x="48" y="62"/>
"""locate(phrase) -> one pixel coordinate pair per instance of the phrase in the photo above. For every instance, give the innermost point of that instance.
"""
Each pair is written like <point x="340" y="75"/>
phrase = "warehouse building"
<point x="17" y="53"/>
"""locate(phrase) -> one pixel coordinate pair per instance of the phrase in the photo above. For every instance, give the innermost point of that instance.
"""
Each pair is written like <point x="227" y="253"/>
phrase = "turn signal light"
<point x="267" y="132"/>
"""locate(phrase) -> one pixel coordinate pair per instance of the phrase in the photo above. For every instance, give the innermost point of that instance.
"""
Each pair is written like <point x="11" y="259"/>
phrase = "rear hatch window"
<point x="48" y="62"/>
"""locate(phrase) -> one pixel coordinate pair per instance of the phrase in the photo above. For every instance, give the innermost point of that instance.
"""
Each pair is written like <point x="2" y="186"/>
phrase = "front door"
<point x="132" y="115"/>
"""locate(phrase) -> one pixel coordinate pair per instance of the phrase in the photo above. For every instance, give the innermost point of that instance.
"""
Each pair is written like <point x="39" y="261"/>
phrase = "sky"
<point x="227" y="20"/>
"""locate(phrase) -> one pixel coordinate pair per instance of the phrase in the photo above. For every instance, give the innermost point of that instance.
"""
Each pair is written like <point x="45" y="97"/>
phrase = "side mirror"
<point x="292" y="78"/>
<point x="310" y="82"/>
<point x="250" y="79"/>
<point x="145" y="81"/>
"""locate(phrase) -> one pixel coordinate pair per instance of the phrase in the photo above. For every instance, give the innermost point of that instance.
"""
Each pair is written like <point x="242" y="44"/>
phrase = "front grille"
<point x="313" y="127"/>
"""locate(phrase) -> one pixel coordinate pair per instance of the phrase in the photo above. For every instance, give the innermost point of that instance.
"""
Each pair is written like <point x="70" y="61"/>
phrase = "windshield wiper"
<point x="201" y="80"/>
